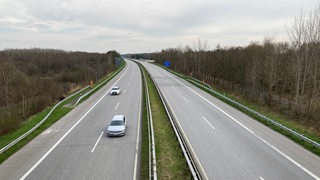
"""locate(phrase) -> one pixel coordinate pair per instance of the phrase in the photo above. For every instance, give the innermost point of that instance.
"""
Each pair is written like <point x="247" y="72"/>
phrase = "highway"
<point x="76" y="147"/>
<point x="227" y="143"/>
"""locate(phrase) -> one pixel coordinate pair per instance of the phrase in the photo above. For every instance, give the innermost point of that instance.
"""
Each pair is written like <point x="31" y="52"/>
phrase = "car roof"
<point x="118" y="117"/>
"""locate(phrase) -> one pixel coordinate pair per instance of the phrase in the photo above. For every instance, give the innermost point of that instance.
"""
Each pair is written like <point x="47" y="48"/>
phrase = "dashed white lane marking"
<point x="245" y="127"/>
<point x="207" y="122"/>
<point x="95" y="145"/>
<point x="116" y="106"/>
<point x="68" y="132"/>
<point x="185" y="99"/>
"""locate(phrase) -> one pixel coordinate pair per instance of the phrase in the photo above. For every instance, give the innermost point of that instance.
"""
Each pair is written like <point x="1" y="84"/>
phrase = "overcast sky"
<point x="131" y="26"/>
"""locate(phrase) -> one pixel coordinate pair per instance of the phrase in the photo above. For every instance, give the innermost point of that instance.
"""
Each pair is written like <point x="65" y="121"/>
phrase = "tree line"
<point x="33" y="79"/>
<point x="281" y="75"/>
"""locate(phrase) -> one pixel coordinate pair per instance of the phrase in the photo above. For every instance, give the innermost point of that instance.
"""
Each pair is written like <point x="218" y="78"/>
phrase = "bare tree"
<point x="297" y="39"/>
<point x="269" y="67"/>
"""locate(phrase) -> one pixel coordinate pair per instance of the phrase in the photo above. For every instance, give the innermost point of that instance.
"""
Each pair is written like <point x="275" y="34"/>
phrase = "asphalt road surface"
<point x="76" y="147"/>
<point x="227" y="143"/>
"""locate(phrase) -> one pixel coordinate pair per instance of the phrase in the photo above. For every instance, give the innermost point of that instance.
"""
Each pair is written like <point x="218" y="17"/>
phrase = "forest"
<point x="284" y="76"/>
<point x="33" y="79"/>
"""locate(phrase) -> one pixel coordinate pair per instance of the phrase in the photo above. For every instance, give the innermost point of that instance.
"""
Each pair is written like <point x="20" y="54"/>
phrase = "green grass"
<point x="109" y="77"/>
<point x="6" y="139"/>
<point x="298" y="127"/>
<point x="58" y="113"/>
<point x="144" y="168"/>
<point x="171" y="163"/>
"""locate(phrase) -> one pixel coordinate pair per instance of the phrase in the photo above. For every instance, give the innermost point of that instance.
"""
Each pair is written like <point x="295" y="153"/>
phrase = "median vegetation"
<point x="171" y="163"/>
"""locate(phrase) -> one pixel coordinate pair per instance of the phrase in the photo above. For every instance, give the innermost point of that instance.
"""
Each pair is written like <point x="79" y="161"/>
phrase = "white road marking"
<point x="66" y="134"/>
<point x="48" y="131"/>
<point x="261" y="178"/>
<point x="208" y="122"/>
<point x="124" y="91"/>
<point x="188" y="142"/>
<point x="137" y="142"/>
<point x="95" y="145"/>
<point x="116" y="106"/>
<point x="185" y="99"/>
<point x="267" y="143"/>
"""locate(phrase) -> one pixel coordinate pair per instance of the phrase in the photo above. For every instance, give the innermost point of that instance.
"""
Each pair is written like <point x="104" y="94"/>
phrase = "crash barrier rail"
<point x="252" y="112"/>
<point x="14" y="142"/>
<point x="185" y="146"/>
<point x="37" y="125"/>
<point x="152" y="149"/>
<point x="101" y="84"/>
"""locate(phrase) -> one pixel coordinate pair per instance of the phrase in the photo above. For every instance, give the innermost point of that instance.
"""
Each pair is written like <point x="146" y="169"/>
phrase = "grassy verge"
<point x="105" y="80"/>
<point x="171" y="163"/>
<point x="144" y="168"/>
<point x="59" y="112"/>
<point x="300" y="128"/>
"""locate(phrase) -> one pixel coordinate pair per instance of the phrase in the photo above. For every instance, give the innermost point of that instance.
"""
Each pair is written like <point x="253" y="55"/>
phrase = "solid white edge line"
<point x="59" y="141"/>
<point x="207" y="122"/>
<point x="95" y="145"/>
<point x="116" y="106"/>
<point x="137" y="142"/>
<point x="184" y="134"/>
<point x="188" y="142"/>
<point x="267" y="143"/>
<point x="288" y="158"/>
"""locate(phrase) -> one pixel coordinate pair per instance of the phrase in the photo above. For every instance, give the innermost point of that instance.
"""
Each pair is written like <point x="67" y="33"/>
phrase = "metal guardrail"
<point x="255" y="113"/>
<point x="152" y="149"/>
<point x="97" y="86"/>
<point x="114" y="74"/>
<point x="193" y="166"/>
<point x="38" y="124"/>
<point x="47" y="116"/>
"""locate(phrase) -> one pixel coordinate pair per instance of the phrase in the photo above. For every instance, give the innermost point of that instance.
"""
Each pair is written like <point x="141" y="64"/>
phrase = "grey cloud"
<point x="150" y="23"/>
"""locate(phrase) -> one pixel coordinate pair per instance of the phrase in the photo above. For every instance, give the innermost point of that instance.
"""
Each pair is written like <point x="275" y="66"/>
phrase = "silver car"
<point x="117" y="126"/>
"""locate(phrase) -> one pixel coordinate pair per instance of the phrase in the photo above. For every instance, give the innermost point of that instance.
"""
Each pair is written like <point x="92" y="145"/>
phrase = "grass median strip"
<point x="144" y="168"/>
<point x="171" y="163"/>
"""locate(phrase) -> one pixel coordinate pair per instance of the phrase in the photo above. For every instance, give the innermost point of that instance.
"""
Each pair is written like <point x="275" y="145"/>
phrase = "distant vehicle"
<point x="115" y="90"/>
<point x="117" y="126"/>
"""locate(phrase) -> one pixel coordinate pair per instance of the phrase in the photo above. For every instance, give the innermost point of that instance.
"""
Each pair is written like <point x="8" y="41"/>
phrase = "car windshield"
<point x="115" y="88"/>
<point x="116" y="123"/>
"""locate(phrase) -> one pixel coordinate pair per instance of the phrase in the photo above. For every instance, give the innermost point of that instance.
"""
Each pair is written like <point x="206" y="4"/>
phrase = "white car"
<point x="115" y="90"/>
<point x="117" y="126"/>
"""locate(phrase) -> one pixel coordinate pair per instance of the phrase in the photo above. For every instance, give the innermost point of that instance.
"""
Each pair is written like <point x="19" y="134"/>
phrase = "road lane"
<point x="239" y="147"/>
<point x="72" y="157"/>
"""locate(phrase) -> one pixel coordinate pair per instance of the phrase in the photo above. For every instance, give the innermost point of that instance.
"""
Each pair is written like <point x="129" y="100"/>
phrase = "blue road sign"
<point x="166" y="63"/>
